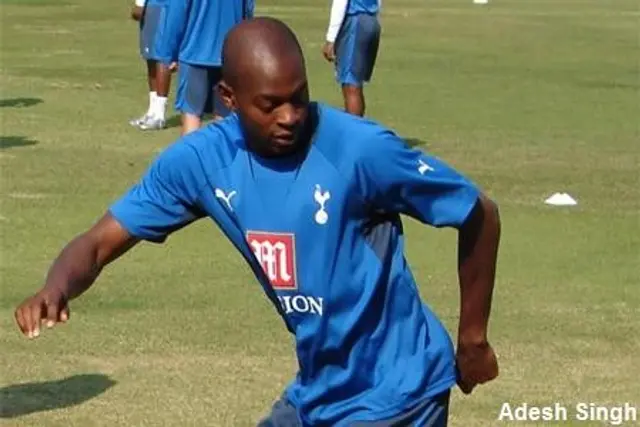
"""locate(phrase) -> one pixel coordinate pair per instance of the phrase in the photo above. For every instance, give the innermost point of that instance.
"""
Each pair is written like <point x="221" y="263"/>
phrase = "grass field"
<point x="527" y="97"/>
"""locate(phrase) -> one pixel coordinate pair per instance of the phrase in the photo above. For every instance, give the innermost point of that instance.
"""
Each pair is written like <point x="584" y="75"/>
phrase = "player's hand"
<point x="136" y="13"/>
<point x="173" y="67"/>
<point x="329" y="51"/>
<point x="49" y="306"/>
<point x="476" y="364"/>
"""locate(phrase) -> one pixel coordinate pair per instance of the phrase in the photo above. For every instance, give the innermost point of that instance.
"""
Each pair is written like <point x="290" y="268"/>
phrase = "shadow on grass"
<point x="173" y="122"/>
<point x="23" y="399"/>
<point x="19" y="102"/>
<point x="15" y="141"/>
<point x="415" y="142"/>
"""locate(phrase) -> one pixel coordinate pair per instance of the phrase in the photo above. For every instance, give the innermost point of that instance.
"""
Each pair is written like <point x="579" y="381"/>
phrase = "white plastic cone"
<point x="561" y="199"/>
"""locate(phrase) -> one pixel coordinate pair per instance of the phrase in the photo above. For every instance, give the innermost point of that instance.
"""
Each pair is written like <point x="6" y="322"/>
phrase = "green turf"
<point x="527" y="97"/>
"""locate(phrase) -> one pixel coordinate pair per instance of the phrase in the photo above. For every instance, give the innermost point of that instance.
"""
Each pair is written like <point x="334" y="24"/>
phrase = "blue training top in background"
<point x="363" y="6"/>
<point x="325" y="239"/>
<point x="156" y="3"/>
<point x="195" y="29"/>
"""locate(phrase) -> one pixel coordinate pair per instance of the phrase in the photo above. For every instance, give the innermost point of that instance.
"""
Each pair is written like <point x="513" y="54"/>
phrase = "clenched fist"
<point x="476" y="363"/>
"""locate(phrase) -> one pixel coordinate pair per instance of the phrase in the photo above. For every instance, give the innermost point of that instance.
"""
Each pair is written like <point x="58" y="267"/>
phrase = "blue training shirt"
<point x="195" y="30"/>
<point x="156" y="3"/>
<point x="324" y="237"/>
<point x="363" y="6"/>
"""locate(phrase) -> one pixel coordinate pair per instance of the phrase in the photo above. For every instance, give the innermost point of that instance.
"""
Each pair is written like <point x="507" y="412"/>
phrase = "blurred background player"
<point x="193" y="35"/>
<point x="352" y="43"/>
<point x="151" y="16"/>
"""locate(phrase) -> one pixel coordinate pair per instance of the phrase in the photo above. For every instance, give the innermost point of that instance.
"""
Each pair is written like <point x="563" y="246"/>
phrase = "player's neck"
<point x="302" y="145"/>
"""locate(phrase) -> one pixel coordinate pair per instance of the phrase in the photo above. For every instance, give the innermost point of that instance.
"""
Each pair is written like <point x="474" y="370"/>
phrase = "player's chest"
<point x="308" y="198"/>
<point x="290" y="218"/>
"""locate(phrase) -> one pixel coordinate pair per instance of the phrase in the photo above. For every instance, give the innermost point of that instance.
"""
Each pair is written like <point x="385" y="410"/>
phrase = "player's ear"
<point x="227" y="95"/>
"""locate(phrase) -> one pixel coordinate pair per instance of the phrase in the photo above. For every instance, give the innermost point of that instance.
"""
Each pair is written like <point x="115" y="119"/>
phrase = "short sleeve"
<point x="166" y="197"/>
<point x="140" y="3"/>
<point x="397" y="178"/>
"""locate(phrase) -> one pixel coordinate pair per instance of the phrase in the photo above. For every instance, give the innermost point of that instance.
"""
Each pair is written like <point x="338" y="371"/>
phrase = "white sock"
<point x="160" y="107"/>
<point x="152" y="101"/>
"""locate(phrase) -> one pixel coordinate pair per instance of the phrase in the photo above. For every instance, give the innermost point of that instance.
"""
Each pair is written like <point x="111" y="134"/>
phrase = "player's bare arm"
<point x="478" y="244"/>
<point x="136" y="13"/>
<point x="72" y="273"/>
<point x="137" y="10"/>
<point x="338" y="11"/>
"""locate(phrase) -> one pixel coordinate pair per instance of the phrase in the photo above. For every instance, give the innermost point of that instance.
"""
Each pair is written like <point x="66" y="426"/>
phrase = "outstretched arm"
<point x="163" y="201"/>
<point x="478" y="242"/>
<point x="74" y="270"/>
<point x="84" y="257"/>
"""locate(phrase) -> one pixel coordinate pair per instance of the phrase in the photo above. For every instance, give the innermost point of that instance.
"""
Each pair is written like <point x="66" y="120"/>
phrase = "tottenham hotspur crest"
<point x="321" y="198"/>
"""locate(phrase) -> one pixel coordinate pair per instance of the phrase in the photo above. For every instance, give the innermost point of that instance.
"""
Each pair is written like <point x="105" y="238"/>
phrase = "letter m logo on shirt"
<point x="276" y="254"/>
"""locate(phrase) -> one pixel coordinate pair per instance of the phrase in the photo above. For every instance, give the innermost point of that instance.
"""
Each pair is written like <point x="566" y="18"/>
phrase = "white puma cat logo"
<point x="226" y="197"/>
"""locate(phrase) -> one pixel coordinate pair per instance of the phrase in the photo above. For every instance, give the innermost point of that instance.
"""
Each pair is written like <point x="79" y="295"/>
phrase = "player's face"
<point x="273" y="106"/>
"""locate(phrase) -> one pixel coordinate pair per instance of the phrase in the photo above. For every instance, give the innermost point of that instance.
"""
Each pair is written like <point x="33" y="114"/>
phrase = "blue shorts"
<point x="151" y="24"/>
<point x="196" y="93"/>
<point x="432" y="412"/>
<point x="357" y="48"/>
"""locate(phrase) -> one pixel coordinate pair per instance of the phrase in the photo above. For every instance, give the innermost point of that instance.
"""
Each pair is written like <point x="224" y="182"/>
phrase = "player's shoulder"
<point x="351" y="138"/>
<point x="214" y="145"/>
